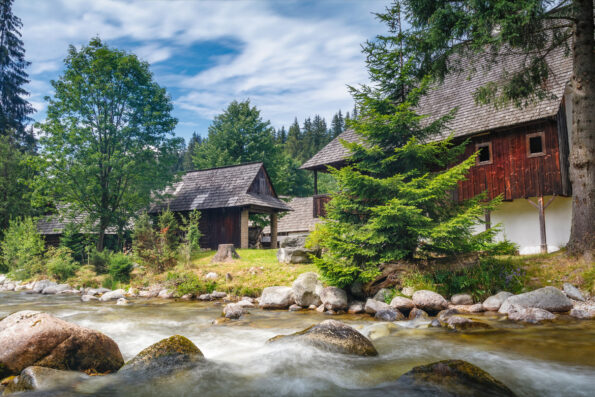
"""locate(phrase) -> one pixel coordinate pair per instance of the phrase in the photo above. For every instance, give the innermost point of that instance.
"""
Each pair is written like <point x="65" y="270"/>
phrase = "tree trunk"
<point x="101" y="237"/>
<point x="582" y="156"/>
<point x="225" y="253"/>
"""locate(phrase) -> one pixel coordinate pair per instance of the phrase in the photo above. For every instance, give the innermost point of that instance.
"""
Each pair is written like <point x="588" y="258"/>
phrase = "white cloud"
<point x="288" y="65"/>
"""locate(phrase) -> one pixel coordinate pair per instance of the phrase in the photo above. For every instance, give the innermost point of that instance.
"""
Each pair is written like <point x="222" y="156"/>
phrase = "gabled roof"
<point x="301" y="219"/>
<point x="218" y="188"/>
<point x="457" y="92"/>
<point x="55" y="224"/>
<point x="333" y="154"/>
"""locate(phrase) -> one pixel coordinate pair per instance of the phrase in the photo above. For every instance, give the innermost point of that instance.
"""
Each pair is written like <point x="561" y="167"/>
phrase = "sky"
<point x="290" y="58"/>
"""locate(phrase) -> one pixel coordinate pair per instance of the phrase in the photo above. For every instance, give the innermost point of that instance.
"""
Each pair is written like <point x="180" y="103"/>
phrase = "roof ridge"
<point x="225" y="166"/>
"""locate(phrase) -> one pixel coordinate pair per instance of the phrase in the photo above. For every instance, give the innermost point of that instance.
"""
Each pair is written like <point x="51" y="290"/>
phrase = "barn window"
<point x="485" y="153"/>
<point x="535" y="144"/>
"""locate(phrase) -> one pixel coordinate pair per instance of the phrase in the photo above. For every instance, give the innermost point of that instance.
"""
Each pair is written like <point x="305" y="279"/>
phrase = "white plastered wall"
<point x="520" y="223"/>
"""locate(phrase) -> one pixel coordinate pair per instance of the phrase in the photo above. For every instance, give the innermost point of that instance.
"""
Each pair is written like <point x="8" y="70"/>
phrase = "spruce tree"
<point x="14" y="108"/>
<point x="293" y="145"/>
<point x="337" y="125"/>
<point x="193" y="144"/>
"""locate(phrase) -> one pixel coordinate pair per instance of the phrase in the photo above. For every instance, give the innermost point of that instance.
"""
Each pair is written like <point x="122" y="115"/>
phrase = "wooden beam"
<point x="315" y="182"/>
<point x="244" y="219"/>
<point x="274" y="230"/>
<point x="541" y="208"/>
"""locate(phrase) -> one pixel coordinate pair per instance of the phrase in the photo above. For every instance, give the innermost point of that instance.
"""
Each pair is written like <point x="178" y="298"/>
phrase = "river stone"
<point x="494" y="302"/>
<point x="449" y="378"/>
<point x="383" y="294"/>
<point x="245" y="303"/>
<point x="389" y="315"/>
<point x="42" y="378"/>
<point x="333" y="336"/>
<point x="373" y="306"/>
<point x="233" y="311"/>
<point x="459" y="323"/>
<point x="583" y="310"/>
<point x="334" y="298"/>
<point x="218" y="295"/>
<point x="461" y="299"/>
<point x="34" y="338"/>
<point x="41" y="285"/>
<point x="416" y="313"/>
<point x="528" y="314"/>
<point x="122" y="302"/>
<point x="468" y="309"/>
<point x="573" y="293"/>
<point x="404" y="305"/>
<point x="546" y="298"/>
<point x="356" y="307"/>
<point x="276" y="298"/>
<point x="429" y="301"/>
<point x="55" y="289"/>
<point x="113" y="295"/>
<point x="379" y="330"/>
<point x="295" y="255"/>
<point x="408" y="291"/>
<point x="307" y="289"/>
<point x="174" y="352"/>
<point x="2" y="279"/>
<point x="444" y="315"/>
<point x="165" y="294"/>
<point x="88" y="298"/>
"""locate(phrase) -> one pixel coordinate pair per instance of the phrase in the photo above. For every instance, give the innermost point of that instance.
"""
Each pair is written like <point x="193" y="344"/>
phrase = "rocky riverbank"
<point x="308" y="293"/>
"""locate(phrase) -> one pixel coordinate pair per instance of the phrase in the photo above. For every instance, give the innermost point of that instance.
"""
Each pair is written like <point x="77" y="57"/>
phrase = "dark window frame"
<point x="480" y="145"/>
<point x="540" y="134"/>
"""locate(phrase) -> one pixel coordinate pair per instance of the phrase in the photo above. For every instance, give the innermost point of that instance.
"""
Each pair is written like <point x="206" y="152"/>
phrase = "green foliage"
<point x="418" y="281"/>
<point x="22" y="248"/>
<point x="100" y="163"/>
<point x="99" y="260"/>
<point x="488" y="277"/>
<point x="157" y="248"/>
<point x="143" y="238"/>
<point x="192" y="233"/>
<point x="189" y="283"/>
<point x="73" y="239"/>
<point x="60" y="263"/>
<point x="589" y="279"/>
<point x="120" y="266"/>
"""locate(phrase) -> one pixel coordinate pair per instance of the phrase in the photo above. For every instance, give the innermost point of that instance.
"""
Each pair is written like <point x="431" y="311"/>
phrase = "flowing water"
<point x="545" y="360"/>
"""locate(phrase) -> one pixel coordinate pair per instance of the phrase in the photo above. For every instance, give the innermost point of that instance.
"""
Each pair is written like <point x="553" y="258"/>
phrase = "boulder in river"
<point x="175" y="352"/>
<point x="307" y="289"/>
<point x="89" y="298"/>
<point x="113" y="295"/>
<point x="461" y="299"/>
<point x="546" y="298"/>
<point x="583" y="310"/>
<point x="40" y="285"/>
<point x="494" y="302"/>
<point x="416" y="313"/>
<point x="529" y="314"/>
<point x="373" y="306"/>
<point x="34" y="338"/>
<point x="333" y="336"/>
<point x="468" y="309"/>
<point x="459" y="323"/>
<point x="383" y="294"/>
<point x="429" y="301"/>
<point x="55" y="289"/>
<point x="233" y="311"/>
<point x="356" y="307"/>
<point x="573" y="293"/>
<point x="449" y="378"/>
<point x="334" y="298"/>
<point x="389" y="315"/>
<point x="42" y="378"/>
<point x="404" y="305"/>
<point x="276" y="298"/>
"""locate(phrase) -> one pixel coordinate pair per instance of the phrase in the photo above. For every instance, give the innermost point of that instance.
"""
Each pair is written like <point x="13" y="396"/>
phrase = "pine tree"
<point x="281" y="136"/>
<point x="337" y="125"/>
<point x="293" y="145"/>
<point x="14" y="108"/>
<point x="195" y="141"/>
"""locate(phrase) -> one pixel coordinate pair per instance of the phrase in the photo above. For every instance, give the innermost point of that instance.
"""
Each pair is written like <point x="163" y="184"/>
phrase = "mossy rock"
<point x="333" y="336"/>
<point x="170" y="353"/>
<point x="452" y="378"/>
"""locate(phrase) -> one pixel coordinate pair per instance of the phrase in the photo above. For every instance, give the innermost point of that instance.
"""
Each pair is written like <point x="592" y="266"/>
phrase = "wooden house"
<point x="523" y="152"/>
<point x="300" y="221"/>
<point x="52" y="226"/>
<point x="225" y="197"/>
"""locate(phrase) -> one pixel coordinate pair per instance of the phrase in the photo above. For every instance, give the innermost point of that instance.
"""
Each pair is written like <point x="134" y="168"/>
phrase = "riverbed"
<point x="556" y="359"/>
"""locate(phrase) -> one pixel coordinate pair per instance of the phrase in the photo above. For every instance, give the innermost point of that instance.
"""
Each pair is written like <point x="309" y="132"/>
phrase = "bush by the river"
<point x="22" y="248"/>
<point x="60" y="264"/>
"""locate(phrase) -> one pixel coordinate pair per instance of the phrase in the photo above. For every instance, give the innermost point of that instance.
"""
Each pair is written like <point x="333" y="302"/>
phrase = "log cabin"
<point x="523" y="152"/>
<point x="225" y="196"/>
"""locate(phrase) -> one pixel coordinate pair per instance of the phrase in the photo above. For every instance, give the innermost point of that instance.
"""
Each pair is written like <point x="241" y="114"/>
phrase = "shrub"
<point x="120" y="266"/>
<point x="189" y="283"/>
<point x="60" y="263"/>
<point x="418" y="281"/>
<point x="100" y="260"/>
<point x="85" y="276"/>
<point x="158" y="249"/>
<point x="192" y="235"/>
<point x="22" y="248"/>
<point x="73" y="239"/>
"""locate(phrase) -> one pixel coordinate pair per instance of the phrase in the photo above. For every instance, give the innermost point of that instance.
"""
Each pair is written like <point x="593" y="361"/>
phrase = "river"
<point x="544" y="360"/>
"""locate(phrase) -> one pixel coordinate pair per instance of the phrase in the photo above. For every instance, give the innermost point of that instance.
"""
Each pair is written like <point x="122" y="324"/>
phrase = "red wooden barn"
<point x="523" y="152"/>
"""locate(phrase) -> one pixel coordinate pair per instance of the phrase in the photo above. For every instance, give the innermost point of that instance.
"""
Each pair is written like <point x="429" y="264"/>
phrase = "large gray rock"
<point x="356" y="307"/>
<point x="334" y="298"/>
<point x="55" y="289"/>
<point x="113" y="295"/>
<point x="307" y="289"/>
<point x="333" y="336"/>
<point x="573" y="293"/>
<point x="294" y="242"/>
<point x="459" y="323"/>
<point x="294" y="255"/>
<point x="429" y="301"/>
<point x="583" y="310"/>
<point x="32" y="338"/>
<point x="547" y="298"/>
<point x="494" y="302"/>
<point x="373" y="306"/>
<point x="389" y="315"/>
<point x="42" y="378"/>
<point x="461" y="299"/>
<point x="382" y="294"/>
<point x="468" y="309"/>
<point x="417" y="314"/>
<point x="404" y="305"/>
<point x="89" y="298"/>
<point x="528" y="314"/>
<point x="233" y="311"/>
<point x="40" y="285"/>
<point x="276" y="298"/>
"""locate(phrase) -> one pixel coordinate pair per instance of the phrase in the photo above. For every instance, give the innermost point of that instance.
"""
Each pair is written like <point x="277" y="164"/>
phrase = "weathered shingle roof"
<point x="334" y="153"/>
<point x="301" y="219"/>
<point x="457" y="91"/>
<point x="55" y="224"/>
<point x="218" y="188"/>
